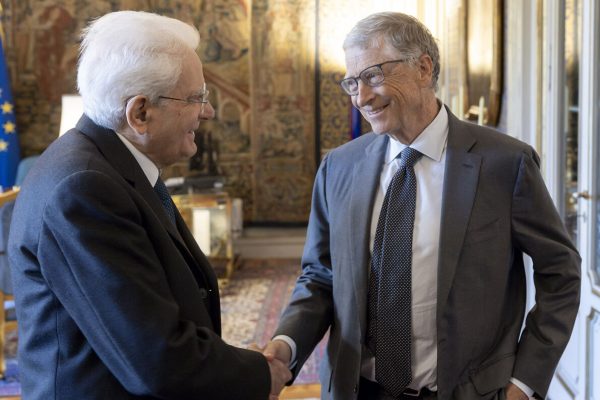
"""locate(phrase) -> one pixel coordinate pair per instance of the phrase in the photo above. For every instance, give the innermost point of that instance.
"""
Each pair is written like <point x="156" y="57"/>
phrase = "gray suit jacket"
<point x="495" y="208"/>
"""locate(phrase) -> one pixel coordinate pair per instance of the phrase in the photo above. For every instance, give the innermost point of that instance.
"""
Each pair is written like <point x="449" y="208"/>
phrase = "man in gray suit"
<point x="451" y="328"/>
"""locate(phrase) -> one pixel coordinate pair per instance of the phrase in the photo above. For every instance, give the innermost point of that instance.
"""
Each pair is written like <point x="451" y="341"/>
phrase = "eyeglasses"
<point x="200" y="98"/>
<point x="370" y="76"/>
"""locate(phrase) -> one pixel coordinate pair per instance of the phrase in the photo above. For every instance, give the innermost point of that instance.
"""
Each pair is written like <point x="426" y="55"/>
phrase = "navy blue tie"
<point x="390" y="288"/>
<point x="165" y="199"/>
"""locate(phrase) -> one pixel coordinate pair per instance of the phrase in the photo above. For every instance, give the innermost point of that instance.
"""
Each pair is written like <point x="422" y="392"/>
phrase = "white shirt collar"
<point x="430" y="142"/>
<point x="150" y="169"/>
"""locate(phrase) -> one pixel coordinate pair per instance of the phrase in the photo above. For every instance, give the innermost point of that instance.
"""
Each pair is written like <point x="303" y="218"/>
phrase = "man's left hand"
<point x="514" y="393"/>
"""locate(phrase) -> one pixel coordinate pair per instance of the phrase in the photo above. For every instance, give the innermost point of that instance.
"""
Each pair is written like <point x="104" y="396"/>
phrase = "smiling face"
<point x="164" y="131"/>
<point x="171" y="134"/>
<point x="404" y="104"/>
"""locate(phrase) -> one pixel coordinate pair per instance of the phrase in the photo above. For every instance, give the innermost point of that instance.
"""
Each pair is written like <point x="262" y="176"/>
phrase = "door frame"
<point x="585" y="342"/>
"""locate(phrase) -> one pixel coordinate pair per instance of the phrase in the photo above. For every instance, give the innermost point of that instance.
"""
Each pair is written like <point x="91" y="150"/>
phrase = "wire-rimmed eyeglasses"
<point x="199" y="98"/>
<point x="370" y="76"/>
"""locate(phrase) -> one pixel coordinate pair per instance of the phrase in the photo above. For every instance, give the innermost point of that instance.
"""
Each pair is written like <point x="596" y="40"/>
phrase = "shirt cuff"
<point x="290" y="342"/>
<point x="526" y="389"/>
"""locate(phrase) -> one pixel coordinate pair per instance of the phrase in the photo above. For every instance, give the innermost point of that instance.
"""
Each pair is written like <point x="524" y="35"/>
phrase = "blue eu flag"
<point x="9" y="143"/>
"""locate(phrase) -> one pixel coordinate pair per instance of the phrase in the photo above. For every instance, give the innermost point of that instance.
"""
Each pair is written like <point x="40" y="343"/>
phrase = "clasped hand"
<point x="278" y="355"/>
<point x="514" y="393"/>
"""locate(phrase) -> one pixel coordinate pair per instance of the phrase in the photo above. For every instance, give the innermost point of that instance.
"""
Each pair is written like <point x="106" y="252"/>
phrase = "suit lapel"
<point x="365" y="181"/>
<point x="185" y="242"/>
<point x="460" y="187"/>
<point x="123" y="161"/>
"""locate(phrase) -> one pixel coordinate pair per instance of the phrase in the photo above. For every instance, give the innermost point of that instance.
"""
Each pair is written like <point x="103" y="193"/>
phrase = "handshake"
<point x="278" y="354"/>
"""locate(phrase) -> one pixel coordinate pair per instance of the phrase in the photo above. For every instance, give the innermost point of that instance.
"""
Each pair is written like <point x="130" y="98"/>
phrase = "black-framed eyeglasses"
<point x="199" y="98"/>
<point x="370" y="76"/>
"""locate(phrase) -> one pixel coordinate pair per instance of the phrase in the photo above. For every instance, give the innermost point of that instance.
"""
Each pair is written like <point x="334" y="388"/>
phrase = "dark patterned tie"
<point x="165" y="198"/>
<point x="390" y="286"/>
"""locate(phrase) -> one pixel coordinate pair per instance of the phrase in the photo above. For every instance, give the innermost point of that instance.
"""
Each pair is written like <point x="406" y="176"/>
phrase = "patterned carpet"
<point x="250" y="306"/>
<point x="252" y="302"/>
<point x="9" y="385"/>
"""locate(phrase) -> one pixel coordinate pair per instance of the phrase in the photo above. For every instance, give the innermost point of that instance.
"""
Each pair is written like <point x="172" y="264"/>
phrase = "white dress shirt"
<point x="150" y="169"/>
<point x="429" y="172"/>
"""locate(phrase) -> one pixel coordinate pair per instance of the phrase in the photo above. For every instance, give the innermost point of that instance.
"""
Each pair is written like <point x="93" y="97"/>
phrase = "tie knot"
<point x="409" y="156"/>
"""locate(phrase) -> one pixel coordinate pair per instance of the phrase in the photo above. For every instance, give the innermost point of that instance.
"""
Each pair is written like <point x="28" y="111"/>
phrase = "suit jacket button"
<point x="203" y="293"/>
<point x="356" y="388"/>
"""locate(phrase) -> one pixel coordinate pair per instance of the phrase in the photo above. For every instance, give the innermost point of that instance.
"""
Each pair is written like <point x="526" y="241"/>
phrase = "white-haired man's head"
<point x="127" y="53"/>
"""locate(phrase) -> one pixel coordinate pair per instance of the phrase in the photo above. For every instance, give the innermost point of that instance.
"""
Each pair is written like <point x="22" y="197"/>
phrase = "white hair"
<point x="128" y="53"/>
<point x="404" y="32"/>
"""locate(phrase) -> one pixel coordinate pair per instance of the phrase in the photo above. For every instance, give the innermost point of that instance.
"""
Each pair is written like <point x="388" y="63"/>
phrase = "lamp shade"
<point x="72" y="108"/>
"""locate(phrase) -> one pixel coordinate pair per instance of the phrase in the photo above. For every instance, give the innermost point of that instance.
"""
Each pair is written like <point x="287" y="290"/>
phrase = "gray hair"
<point x="404" y="32"/>
<point x="127" y="53"/>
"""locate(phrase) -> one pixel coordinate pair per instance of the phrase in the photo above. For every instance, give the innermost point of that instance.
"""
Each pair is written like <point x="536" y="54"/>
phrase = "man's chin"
<point x="191" y="149"/>
<point x="378" y="130"/>
<point x="188" y="153"/>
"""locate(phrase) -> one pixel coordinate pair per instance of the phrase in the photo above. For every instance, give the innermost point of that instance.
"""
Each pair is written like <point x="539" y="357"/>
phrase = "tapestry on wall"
<point x="283" y="108"/>
<point x="263" y="89"/>
<point x="334" y="104"/>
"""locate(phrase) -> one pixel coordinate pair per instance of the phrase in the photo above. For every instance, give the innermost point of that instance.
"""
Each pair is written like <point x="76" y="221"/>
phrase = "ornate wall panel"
<point x="225" y="31"/>
<point x="260" y="61"/>
<point x="282" y="115"/>
<point x="333" y="102"/>
<point x="266" y="155"/>
<point x="41" y="49"/>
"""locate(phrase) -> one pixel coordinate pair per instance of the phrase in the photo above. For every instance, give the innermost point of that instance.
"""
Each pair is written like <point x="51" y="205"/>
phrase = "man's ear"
<point x="425" y="70"/>
<point x="137" y="113"/>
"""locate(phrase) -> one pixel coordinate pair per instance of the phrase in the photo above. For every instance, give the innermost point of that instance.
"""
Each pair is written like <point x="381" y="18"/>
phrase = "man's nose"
<point x="364" y="96"/>
<point x="206" y="111"/>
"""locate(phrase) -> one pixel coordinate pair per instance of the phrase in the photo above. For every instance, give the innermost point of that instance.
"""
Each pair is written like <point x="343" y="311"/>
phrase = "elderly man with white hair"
<point x="115" y="299"/>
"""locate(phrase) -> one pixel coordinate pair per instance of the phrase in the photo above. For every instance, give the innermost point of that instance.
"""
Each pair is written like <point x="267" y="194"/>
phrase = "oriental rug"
<point x="252" y="302"/>
<point x="9" y="385"/>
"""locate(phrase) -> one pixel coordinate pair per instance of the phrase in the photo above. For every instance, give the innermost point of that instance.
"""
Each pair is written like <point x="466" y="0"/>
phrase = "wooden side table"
<point x="208" y="215"/>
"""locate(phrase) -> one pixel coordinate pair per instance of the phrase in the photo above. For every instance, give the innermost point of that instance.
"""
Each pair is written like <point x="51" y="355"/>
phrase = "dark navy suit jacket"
<point x="113" y="301"/>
